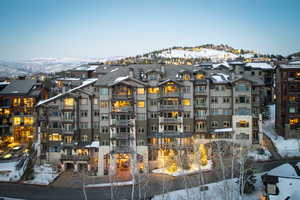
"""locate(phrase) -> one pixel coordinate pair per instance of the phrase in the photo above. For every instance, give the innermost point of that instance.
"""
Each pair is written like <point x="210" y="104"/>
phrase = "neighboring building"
<point x="282" y="183"/>
<point x="288" y="100"/>
<point x="17" y="116"/>
<point x="138" y="113"/>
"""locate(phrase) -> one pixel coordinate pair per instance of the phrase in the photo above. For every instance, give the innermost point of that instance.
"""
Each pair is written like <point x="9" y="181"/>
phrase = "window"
<point x="242" y="124"/>
<point x="84" y="101"/>
<point x="55" y="137"/>
<point x="200" y="88"/>
<point x="242" y="136"/>
<point x="96" y="125"/>
<point x="153" y="128"/>
<point x="153" y="90"/>
<point x="16" y="101"/>
<point x="140" y="104"/>
<point x="28" y="120"/>
<point x="214" y="99"/>
<point x="68" y="116"/>
<point x="84" y="138"/>
<point x="83" y="113"/>
<point x="103" y="91"/>
<point x="170" y="88"/>
<point x="186" y="77"/>
<point x="83" y="125"/>
<point x="141" y="130"/>
<point x="242" y="87"/>
<point x="140" y="91"/>
<point x="292" y="109"/>
<point x="243" y="111"/>
<point x="104" y="129"/>
<point x="294" y="121"/>
<point x="214" y="124"/>
<point x="28" y="102"/>
<point x="153" y="115"/>
<point x="215" y="111"/>
<point x="186" y="90"/>
<point x="104" y="117"/>
<point x="96" y="113"/>
<point x="226" y="111"/>
<point x="17" y="121"/>
<point x="153" y="102"/>
<point x="200" y="125"/>
<point x="104" y="104"/>
<point x="259" y="73"/>
<point x="140" y="116"/>
<point x="201" y="113"/>
<point x="68" y="101"/>
<point x="292" y="99"/>
<point x="187" y="128"/>
<point x="200" y="101"/>
<point x="68" y="127"/>
<point x="252" y="73"/>
<point x="186" y="102"/>
<point x="199" y="76"/>
<point x="226" y="99"/>
<point x="69" y="139"/>
<point x="95" y="101"/>
<point x="186" y="115"/>
<point x="226" y="124"/>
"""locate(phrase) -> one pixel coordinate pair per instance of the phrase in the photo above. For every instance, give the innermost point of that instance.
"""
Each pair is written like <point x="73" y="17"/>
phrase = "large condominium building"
<point x="17" y="116"/>
<point x="288" y="100"/>
<point x="133" y="115"/>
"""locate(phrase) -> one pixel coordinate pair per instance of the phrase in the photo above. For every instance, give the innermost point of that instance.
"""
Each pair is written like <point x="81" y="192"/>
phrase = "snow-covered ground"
<point x="285" y="147"/>
<point x="13" y="171"/>
<point x="109" y="184"/>
<point x="258" y="155"/>
<point x="43" y="175"/>
<point x="216" y="191"/>
<point x="182" y="172"/>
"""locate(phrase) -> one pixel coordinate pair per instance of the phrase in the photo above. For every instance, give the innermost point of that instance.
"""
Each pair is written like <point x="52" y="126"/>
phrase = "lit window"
<point x="153" y="90"/>
<point x="16" y="101"/>
<point x="140" y="91"/>
<point x="298" y="74"/>
<point x="186" y="102"/>
<point x="28" y="120"/>
<point x="141" y="104"/>
<point x="120" y="104"/>
<point x="294" y="121"/>
<point x="292" y="109"/>
<point x="55" y="137"/>
<point x="243" y="124"/>
<point x="6" y="111"/>
<point x="186" y="77"/>
<point x="69" y="139"/>
<point x="17" y="120"/>
<point x="84" y="138"/>
<point x="292" y="98"/>
<point x="68" y="101"/>
<point x="28" y="102"/>
<point x="200" y="76"/>
<point x="170" y="88"/>
<point x="104" y="104"/>
<point x="95" y="101"/>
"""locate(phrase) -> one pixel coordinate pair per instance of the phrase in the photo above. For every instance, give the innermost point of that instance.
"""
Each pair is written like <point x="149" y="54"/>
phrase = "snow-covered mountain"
<point x="47" y="65"/>
<point x="213" y="54"/>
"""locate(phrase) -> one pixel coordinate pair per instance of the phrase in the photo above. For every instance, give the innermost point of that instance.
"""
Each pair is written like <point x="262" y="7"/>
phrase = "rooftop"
<point x="19" y="87"/>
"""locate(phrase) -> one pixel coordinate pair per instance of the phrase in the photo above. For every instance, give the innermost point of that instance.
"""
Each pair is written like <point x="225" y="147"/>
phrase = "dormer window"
<point x="170" y="88"/>
<point x="152" y="76"/>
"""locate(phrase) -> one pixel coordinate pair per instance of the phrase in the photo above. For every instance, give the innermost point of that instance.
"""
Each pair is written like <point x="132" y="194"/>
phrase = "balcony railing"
<point x="171" y="146"/>
<point x="5" y="105"/>
<point x="170" y="107"/>
<point x="122" y="109"/>
<point x="122" y="136"/>
<point x="122" y="149"/>
<point x="121" y="97"/>
<point x="202" y="92"/>
<point x="170" y="134"/>
<point x="171" y="120"/>
<point x="116" y="122"/>
<point x="75" y="158"/>
<point x="170" y="94"/>
<point x="200" y="105"/>
<point x="200" y="117"/>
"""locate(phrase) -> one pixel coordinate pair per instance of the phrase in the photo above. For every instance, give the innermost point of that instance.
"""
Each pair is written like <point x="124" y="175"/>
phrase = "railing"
<point x="200" y="82"/>
<point x="171" y="94"/>
<point x="122" y="149"/>
<point x="122" y="109"/>
<point x="200" y="105"/>
<point x="202" y="117"/>
<point x="75" y="158"/>
<point x="171" y="120"/>
<point x="4" y="105"/>
<point x="122" y="122"/>
<point x="121" y="97"/>
<point x="170" y="107"/>
<point x="171" y="146"/>
<point x="170" y="134"/>
<point x="121" y="136"/>
<point x="202" y="92"/>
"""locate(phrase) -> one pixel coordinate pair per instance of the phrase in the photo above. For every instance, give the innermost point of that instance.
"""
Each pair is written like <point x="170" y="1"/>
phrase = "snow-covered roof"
<point x="86" y="68"/>
<point x="119" y="79"/>
<point x="295" y="62"/>
<point x="221" y="64"/>
<point x="287" y="187"/>
<point x="95" y="144"/>
<point x="68" y="79"/>
<point x="4" y="83"/>
<point x="285" y="170"/>
<point x="223" y="130"/>
<point x="84" y="83"/>
<point x="259" y="65"/>
<point x="220" y="78"/>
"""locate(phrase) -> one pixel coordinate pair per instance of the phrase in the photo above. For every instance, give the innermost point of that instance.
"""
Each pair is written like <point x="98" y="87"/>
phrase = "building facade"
<point x="131" y="116"/>
<point x="288" y="100"/>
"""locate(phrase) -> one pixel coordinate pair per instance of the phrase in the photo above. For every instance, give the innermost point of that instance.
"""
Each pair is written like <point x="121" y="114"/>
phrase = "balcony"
<point x="171" y="146"/>
<point x="122" y="149"/>
<point x="200" y="105"/>
<point x="170" y="134"/>
<point x="121" y="122"/>
<point x="121" y="97"/>
<point x="122" y="136"/>
<point x="170" y="120"/>
<point x="200" y="82"/>
<point x="170" y="107"/>
<point x="122" y="109"/>
<point x="200" y="117"/>
<point x="170" y="94"/>
<point x="75" y="158"/>
<point x="202" y="92"/>
<point x="68" y="119"/>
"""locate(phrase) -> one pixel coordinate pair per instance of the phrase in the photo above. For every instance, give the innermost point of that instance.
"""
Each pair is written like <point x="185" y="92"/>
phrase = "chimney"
<point x="162" y="69"/>
<point x="131" y="72"/>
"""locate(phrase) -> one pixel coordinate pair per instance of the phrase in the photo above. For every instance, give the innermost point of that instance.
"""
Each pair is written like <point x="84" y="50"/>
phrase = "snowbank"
<point x="43" y="175"/>
<point x="260" y="155"/>
<point x="13" y="171"/>
<point x="182" y="172"/>
<point x="215" y="191"/>
<point x="109" y="184"/>
<point x="285" y="147"/>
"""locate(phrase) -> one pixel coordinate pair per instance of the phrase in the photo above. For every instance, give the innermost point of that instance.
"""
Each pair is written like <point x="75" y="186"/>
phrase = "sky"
<point x="108" y="28"/>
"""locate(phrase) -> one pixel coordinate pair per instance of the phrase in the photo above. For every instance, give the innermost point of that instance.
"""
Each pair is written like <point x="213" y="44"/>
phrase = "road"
<point x="154" y="186"/>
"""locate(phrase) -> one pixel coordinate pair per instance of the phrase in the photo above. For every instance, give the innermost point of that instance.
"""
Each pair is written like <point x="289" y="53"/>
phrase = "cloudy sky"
<point x="106" y="28"/>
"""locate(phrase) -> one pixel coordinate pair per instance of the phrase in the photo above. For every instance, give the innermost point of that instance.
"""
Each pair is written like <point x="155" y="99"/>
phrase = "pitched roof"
<point x="19" y="87"/>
